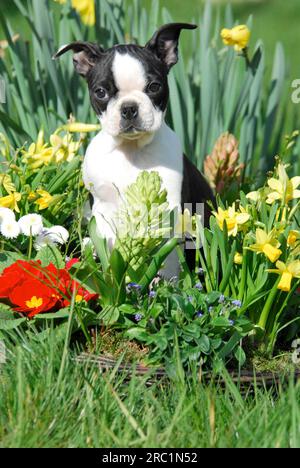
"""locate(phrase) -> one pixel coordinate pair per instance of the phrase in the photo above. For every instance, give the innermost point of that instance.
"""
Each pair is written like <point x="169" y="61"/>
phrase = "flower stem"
<point x="30" y="247"/>
<point x="266" y="310"/>
<point x="244" y="276"/>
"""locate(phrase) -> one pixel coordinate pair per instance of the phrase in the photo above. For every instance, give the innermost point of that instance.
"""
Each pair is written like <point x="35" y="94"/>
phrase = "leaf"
<point x="6" y="312"/>
<point x="62" y="313"/>
<point x="50" y="254"/>
<point x="100" y="244"/>
<point x="8" y="258"/>
<point x="204" y="344"/>
<point x="240" y="355"/>
<point x="230" y="345"/>
<point x="109" y="315"/>
<point x="7" y="324"/>
<point x="137" y="333"/>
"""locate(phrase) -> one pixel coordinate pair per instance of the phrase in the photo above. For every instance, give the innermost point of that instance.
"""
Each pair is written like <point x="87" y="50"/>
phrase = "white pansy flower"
<point x="10" y="229"/>
<point x="51" y="236"/>
<point x="6" y="215"/>
<point x="31" y="224"/>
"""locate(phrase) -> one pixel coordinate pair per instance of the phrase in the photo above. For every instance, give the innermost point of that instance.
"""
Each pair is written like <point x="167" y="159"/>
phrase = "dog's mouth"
<point x="132" y="132"/>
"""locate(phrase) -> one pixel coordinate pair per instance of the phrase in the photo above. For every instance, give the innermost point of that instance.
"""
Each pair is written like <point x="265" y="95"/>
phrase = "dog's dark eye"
<point x="154" y="87"/>
<point x="101" y="93"/>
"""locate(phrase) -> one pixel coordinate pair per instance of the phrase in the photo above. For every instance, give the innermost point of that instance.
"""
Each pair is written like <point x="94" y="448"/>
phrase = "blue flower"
<point x="133" y="286"/>
<point x="221" y="299"/>
<point x="200" y="271"/>
<point x="237" y="303"/>
<point x="210" y="309"/>
<point x="152" y="294"/>
<point x="199" y="314"/>
<point x="138" y="317"/>
<point x="190" y="298"/>
<point x="231" y="322"/>
<point x="199" y="286"/>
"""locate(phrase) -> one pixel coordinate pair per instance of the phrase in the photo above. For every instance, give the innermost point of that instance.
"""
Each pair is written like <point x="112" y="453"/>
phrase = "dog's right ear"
<point x="85" y="55"/>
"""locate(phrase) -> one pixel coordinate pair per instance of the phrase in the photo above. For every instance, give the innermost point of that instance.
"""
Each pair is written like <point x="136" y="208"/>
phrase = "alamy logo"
<point x="296" y="351"/>
<point x="2" y="353"/>
<point x="2" y="91"/>
<point x="296" y="93"/>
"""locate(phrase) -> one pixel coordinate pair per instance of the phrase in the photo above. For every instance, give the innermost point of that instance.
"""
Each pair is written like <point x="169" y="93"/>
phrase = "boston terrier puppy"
<point x="128" y="86"/>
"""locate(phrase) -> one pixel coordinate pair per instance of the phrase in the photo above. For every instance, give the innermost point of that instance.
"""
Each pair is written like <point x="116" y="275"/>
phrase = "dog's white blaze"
<point x="129" y="73"/>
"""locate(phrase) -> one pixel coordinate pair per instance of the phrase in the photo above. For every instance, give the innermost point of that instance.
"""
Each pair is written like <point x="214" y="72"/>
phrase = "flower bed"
<point x="240" y="299"/>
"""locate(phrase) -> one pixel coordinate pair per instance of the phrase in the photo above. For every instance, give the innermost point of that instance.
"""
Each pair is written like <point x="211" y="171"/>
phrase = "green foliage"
<point x="189" y="326"/>
<point x="212" y="91"/>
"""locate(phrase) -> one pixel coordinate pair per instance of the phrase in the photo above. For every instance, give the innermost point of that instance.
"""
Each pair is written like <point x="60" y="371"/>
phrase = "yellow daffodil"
<point x="86" y="10"/>
<point x="238" y="37"/>
<point x="184" y="224"/>
<point x="293" y="238"/>
<point x="11" y="201"/>
<point x="287" y="273"/>
<point x="38" y="154"/>
<point x="45" y="199"/>
<point x="77" y="127"/>
<point x="283" y="188"/>
<point x="266" y="244"/>
<point x="234" y="219"/>
<point x="32" y="196"/>
<point x="258" y="195"/>
<point x="64" y="148"/>
<point x="6" y="182"/>
<point x="238" y="258"/>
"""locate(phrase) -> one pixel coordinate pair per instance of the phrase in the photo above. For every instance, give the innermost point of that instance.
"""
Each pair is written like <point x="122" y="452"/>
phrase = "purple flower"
<point x="190" y="298"/>
<point x="152" y="294"/>
<point x="221" y="299"/>
<point x="231" y="322"/>
<point x="138" y="317"/>
<point x="200" y="271"/>
<point x="199" y="286"/>
<point x="237" y="303"/>
<point x="199" y="314"/>
<point x="133" y="286"/>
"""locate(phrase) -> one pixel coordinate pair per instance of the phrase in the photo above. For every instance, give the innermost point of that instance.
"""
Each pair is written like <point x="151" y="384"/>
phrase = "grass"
<point x="87" y="409"/>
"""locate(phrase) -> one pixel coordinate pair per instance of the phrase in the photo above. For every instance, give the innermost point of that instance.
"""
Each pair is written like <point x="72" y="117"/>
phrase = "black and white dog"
<point x="128" y="86"/>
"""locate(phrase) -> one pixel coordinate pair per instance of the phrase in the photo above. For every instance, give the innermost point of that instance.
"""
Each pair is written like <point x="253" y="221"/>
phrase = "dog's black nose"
<point x="129" y="111"/>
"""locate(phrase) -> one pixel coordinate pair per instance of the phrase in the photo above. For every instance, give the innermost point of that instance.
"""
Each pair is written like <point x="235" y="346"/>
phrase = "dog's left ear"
<point x="164" y="43"/>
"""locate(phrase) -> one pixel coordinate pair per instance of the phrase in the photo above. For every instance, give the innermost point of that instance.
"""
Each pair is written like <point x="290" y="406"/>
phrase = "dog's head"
<point x="128" y="84"/>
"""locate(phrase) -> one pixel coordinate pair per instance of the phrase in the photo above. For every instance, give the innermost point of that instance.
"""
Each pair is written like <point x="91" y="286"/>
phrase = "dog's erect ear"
<point x="85" y="55"/>
<point x="164" y="43"/>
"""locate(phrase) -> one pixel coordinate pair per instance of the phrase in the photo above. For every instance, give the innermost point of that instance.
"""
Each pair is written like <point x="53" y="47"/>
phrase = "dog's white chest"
<point x="109" y="168"/>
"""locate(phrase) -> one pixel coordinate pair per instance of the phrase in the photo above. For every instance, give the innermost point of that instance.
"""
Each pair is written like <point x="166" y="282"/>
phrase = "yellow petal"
<point x="238" y="258"/>
<point x="275" y="184"/>
<point x="261" y="236"/>
<point x="294" y="268"/>
<point x="273" y="196"/>
<point x="295" y="182"/>
<point x="77" y="127"/>
<point x="242" y="218"/>
<point x="271" y="252"/>
<point x="254" y="196"/>
<point x="281" y="266"/>
<point x="285" y="282"/>
<point x="296" y="194"/>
